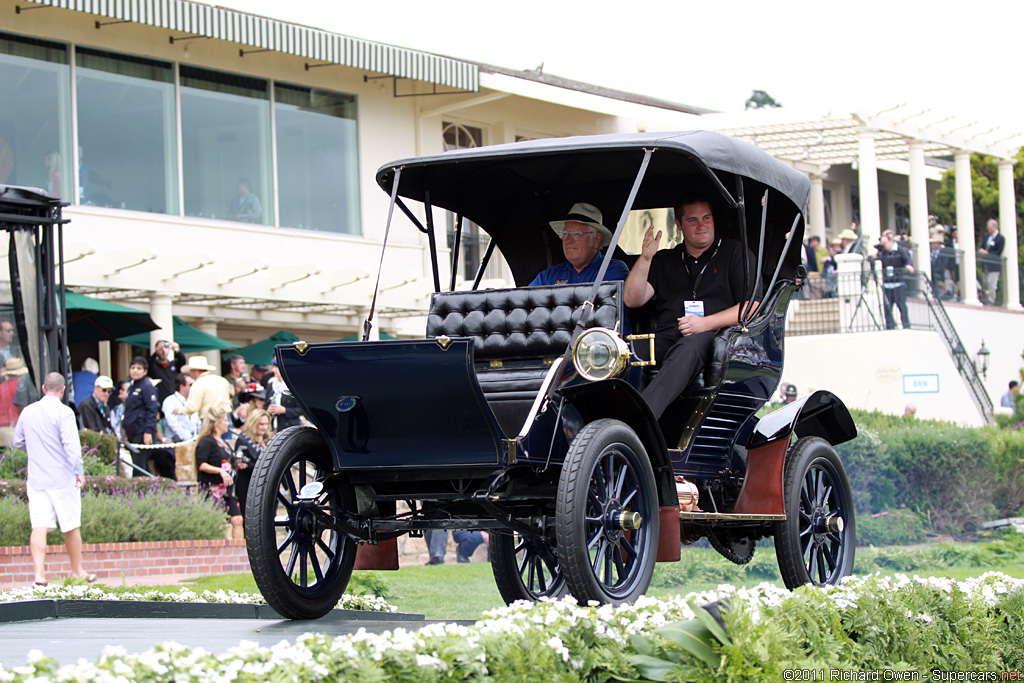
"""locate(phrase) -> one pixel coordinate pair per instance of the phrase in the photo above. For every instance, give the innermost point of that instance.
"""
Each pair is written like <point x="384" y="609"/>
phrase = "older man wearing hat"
<point x="582" y="235"/>
<point x="851" y="242"/>
<point x="208" y="390"/>
<point x="94" y="410"/>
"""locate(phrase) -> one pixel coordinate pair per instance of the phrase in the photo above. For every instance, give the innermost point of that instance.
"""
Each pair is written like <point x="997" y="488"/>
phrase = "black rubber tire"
<point x="525" y="568"/>
<point x="304" y="575"/>
<point x="606" y="473"/>
<point x="815" y="490"/>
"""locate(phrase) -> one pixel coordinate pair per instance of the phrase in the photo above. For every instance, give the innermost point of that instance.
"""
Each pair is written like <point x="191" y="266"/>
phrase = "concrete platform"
<point x="69" y="630"/>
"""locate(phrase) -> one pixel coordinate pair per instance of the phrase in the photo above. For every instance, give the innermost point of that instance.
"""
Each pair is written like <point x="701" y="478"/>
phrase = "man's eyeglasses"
<point x="574" y="235"/>
<point x="105" y="391"/>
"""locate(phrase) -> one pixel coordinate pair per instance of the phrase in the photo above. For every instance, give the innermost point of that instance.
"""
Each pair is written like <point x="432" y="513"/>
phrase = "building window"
<point x="35" y="115"/>
<point x="317" y="159"/>
<point x="126" y="132"/>
<point x="225" y="138"/>
<point x="474" y="241"/>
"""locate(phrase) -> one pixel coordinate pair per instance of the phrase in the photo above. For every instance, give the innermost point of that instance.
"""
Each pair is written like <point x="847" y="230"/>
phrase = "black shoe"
<point x="435" y="560"/>
<point x="462" y="559"/>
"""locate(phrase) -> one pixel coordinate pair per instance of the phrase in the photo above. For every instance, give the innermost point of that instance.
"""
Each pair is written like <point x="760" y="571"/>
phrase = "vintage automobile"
<point x="520" y="412"/>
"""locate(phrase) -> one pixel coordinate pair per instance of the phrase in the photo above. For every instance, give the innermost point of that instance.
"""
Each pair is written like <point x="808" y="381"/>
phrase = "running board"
<point x="730" y="517"/>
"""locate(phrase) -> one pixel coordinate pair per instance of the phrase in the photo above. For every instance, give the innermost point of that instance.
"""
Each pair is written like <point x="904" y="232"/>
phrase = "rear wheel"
<point x="300" y="564"/>
<point x="607" y="515"/>
<point x="525" y="567"/>
<point x="816" y="542"/>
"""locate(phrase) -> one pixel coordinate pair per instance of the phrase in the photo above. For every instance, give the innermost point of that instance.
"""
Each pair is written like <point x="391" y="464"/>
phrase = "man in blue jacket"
<point x="141" y="408"/>
<point x="582" y="237"/>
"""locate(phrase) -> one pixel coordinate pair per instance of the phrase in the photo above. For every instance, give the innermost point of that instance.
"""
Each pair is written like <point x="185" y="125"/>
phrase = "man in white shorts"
<point x="47" y="431"/>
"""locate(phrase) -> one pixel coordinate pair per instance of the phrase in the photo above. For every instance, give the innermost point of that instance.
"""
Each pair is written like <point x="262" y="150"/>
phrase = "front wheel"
<point x="525" y="567"/>
<point x="607" y="515"/>
<point x="816" y="542"/>
<point x="300" y="564"/>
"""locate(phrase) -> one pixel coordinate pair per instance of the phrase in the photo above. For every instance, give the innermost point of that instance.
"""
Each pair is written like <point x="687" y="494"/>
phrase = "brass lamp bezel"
<point x="620" y="359"/>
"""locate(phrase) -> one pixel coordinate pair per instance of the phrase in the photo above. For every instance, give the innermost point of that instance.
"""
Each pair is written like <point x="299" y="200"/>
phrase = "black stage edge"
<point x="34" y="610"/>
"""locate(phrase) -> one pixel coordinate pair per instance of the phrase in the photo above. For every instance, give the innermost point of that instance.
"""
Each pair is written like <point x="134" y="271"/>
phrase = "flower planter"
<point x="133" y="560"/>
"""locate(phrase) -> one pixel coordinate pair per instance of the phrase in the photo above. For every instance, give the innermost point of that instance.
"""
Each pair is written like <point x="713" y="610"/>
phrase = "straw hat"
<point x="848" y="234"/>
<point x="198" y="363"/>
<point x="588" y="214"/>
<point x="15" y="367"/>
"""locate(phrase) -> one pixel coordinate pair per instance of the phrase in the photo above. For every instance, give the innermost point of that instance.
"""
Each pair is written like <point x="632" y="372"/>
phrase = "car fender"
<point x="618" y="400"/>
<point x="821" y="413"/>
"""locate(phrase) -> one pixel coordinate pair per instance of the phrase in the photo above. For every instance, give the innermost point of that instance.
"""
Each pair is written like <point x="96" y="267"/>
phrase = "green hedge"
<point x="953" y="477"/>
<point x="107" y="485"/>
<point x="151" y="514"/>
<point x="99" y="456"/>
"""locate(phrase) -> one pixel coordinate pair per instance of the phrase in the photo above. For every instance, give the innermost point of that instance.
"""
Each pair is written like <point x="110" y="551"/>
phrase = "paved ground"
<point x="67" y="639"/>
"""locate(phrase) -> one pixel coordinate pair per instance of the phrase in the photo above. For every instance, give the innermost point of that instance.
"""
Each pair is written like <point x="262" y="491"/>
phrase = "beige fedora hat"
<point x="198" y="363"/>
<point x="588" y="214"/>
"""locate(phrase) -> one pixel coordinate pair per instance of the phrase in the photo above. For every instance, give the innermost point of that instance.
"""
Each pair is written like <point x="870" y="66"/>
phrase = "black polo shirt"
<point x="715" y="277"/>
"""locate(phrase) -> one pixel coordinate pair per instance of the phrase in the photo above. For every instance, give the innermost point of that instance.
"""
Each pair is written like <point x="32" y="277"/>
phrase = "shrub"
<point x="109" y="485"/>
<point x="104" y="445"/>
<point x="900" y="527"/>
<point x="154" y="514"/>
<point x="13" y="463"/>
<point x="99" y="457"/>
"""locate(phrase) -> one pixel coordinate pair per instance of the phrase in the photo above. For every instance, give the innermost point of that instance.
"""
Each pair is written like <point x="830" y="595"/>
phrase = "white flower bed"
<point x="80" y="591"/>
<point x="525" y="641"/>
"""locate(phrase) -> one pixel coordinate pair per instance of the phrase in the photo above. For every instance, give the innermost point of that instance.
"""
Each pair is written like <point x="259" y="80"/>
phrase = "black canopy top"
<point x="512" y="191"/>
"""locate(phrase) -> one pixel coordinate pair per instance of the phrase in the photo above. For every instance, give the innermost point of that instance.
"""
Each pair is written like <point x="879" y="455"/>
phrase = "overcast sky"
<point x="961" y="58"/>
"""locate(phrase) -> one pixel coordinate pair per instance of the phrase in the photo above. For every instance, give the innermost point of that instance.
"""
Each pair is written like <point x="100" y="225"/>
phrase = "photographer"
<point x="895" y="262"/>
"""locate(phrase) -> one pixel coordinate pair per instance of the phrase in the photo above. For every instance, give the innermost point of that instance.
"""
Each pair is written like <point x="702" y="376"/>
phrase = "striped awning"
<point x="198" y="19"/>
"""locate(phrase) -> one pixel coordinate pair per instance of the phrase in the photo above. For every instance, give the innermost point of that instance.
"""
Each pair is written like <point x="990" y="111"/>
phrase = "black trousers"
<point x="898" y="296"/>
<point x="164" y="459"/>
<point x="679" y="359"/>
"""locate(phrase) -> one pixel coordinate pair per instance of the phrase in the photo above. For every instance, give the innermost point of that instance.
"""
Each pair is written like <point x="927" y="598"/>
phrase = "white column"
<point x="161" y="311"/>
<point x="817" y="208"/>
<point x="1008" y="229"/>
<point x="867" y="176"/>
<point x="212" y="356"/>
<point x="965" y="227"/>
<point x="919" y="207"/>
<point x="104" y="359"/>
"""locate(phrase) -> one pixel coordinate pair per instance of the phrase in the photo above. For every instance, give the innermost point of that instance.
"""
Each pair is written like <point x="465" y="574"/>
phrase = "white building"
<point x="153" y="118"/>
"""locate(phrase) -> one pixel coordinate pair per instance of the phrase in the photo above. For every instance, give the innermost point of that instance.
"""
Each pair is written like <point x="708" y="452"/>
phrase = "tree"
<point x="759" y="99"/>
<point x="985" y="189"/>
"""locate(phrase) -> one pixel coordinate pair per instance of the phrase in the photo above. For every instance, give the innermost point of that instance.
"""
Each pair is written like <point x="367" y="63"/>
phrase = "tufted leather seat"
<point x="527" y="322"/>
<point x="516" y="333"/>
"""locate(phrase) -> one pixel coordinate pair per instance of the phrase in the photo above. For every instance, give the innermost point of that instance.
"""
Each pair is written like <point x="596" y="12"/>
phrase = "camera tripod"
<point x="864" y="280"/>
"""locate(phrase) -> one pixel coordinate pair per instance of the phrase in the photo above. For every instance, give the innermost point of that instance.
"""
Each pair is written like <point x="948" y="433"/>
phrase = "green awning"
<point x="187" y="337"/>
<point x="91" y="319"/>
<point x="262" y="352"/>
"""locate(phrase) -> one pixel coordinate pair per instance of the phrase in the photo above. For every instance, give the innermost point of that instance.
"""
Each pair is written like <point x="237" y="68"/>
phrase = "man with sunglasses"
<point x="94" y="410"/>
<point x="582" y="235"/>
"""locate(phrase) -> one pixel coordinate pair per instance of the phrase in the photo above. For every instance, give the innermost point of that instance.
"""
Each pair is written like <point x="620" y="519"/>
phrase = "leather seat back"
<point x="524" y="322"/>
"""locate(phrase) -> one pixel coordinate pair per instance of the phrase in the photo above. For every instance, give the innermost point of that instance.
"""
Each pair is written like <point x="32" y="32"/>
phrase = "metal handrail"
<point x="964" y="365"/>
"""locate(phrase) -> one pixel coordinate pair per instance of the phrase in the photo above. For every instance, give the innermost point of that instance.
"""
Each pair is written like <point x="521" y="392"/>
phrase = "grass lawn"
<point x="465" y="591"/>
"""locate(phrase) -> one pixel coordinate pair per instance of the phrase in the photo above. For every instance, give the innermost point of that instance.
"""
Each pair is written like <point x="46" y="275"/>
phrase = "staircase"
<point x="964" y="364"/>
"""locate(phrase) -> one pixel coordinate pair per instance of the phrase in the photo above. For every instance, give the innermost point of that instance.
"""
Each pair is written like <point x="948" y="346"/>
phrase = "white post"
<point x="867" y="176"/>
<point x="965" y="227"/>
<point x="1008" y="229"/>
<point x="817" y="207"/>
<point x="212" y="356"/>
<point x="161" y="311"/>
<point x="919" y="207"/>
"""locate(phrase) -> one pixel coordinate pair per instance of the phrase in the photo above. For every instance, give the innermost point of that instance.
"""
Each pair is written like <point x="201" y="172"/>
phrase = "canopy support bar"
<point x="368" y="325"/>
<point x="431" y="240"/>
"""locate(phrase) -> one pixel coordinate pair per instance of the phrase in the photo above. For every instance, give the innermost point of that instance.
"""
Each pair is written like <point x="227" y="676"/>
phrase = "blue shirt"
<point x="47" y="431"/>
<point x="564" y="273"/>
